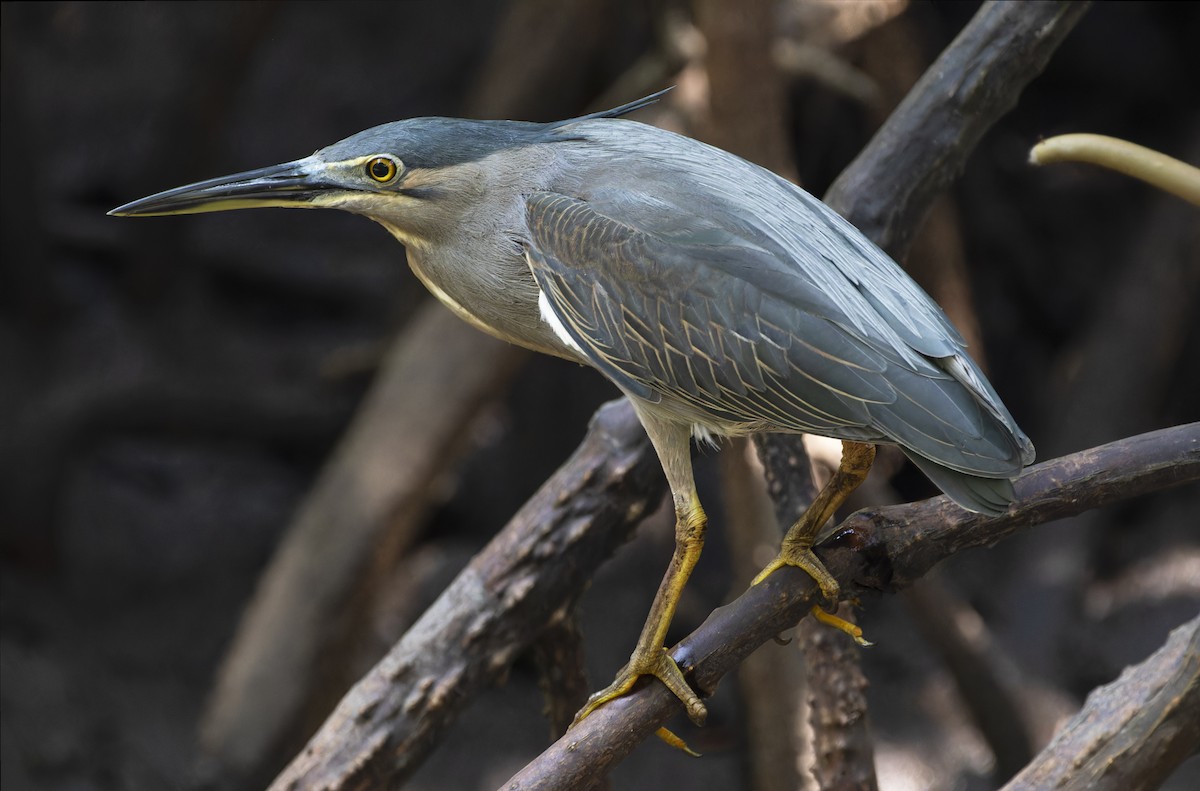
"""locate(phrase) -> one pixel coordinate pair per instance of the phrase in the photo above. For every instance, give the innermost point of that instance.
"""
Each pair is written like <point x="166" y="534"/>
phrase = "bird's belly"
<point x="704" y="425"/>
<point x="707" y="427"/>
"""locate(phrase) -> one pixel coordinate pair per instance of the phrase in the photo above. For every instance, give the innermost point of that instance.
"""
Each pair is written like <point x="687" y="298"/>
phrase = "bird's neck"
<point x="471" y="294"/>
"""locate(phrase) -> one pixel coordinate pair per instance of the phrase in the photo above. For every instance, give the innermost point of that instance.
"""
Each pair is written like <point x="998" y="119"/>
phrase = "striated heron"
<point x="721" y="299"/>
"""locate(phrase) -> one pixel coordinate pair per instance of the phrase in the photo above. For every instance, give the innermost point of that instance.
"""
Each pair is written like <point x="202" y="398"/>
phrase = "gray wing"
<point x="737" y="332"/>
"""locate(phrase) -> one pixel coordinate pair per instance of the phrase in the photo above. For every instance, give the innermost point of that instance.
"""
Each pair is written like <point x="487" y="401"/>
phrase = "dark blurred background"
<point x="170" y="389"/>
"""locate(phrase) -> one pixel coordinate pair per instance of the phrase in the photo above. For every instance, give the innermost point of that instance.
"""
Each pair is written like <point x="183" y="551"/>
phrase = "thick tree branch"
<point x="279" y="678"/>
<point x="1131" y="733"/>
<point x="528" y="576"/>
<point x="873" y="550"/>
<point x="924" y="146"/>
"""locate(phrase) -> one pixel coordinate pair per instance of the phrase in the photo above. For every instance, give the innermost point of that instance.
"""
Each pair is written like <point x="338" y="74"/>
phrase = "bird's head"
<point x="418" y="177"/>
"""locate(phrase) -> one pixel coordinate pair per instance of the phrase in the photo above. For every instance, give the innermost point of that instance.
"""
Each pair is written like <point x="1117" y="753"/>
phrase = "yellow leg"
<point x="797" y="544"/>
<point x="649" y="657"/>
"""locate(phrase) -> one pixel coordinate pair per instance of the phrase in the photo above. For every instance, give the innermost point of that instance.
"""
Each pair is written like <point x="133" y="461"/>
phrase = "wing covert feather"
<point x="722" y="329"/>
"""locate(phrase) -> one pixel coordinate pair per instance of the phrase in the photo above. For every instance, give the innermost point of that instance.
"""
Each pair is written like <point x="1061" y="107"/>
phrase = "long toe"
<point x="657" y="663"/>
<point x="807" y="561"/>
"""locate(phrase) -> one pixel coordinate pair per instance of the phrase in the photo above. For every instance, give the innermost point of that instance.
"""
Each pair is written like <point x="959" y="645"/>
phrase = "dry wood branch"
<point x="1132" y="733"/>
<point x="976" y="80"/>
<point x="873" y="550"/>
<point x="384" y="726"/>
<point x="527" y="577"/>
<point x="273" y="686"/>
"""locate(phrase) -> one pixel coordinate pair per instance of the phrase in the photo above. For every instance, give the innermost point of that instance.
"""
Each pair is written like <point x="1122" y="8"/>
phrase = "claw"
<point x="673" y="740"/>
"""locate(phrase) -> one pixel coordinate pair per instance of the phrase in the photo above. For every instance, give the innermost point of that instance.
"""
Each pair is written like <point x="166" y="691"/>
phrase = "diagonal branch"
<point x="925" y="144"/>
<point x="873" y="550"/>
<point x="1132" y="733"/>
<point x="526" y="578"/>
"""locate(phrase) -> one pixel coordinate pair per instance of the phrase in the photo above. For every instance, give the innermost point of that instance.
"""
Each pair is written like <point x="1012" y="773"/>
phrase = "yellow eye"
<point x="382" y="169"/>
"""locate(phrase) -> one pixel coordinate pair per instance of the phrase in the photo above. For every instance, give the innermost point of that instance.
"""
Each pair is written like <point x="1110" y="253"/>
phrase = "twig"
<point x="874" y="550"/>
<point x="1152" y="167"/>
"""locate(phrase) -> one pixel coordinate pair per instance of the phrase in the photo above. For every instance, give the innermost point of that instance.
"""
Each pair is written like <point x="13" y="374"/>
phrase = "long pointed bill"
<point x="290" y="185"/>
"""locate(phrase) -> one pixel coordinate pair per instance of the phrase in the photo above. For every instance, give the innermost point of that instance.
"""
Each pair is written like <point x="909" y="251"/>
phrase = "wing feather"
<point x="729" y="332"/>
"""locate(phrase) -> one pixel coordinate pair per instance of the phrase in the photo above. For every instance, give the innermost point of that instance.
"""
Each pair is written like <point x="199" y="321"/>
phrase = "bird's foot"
<point x="802" y="557"/>
<point x="658" y="663"/>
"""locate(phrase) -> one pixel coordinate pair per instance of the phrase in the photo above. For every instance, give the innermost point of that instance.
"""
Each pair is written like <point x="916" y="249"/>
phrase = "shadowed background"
<point x="171" y="388"/>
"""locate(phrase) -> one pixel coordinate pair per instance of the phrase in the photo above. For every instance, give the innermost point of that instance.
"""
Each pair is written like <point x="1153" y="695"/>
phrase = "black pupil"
<point x="381" y="169"/>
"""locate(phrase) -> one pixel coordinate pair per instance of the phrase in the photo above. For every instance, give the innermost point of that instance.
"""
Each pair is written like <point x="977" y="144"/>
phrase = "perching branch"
<point x="387" y="723"/>
<point x="873" y="550"/>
